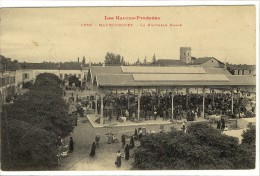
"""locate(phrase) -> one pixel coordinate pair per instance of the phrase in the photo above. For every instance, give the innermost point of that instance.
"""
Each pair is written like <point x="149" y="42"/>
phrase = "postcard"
<point x="162" y="89"/>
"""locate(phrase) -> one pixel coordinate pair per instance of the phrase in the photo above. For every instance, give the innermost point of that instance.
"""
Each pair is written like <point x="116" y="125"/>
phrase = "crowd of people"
<point x="154" y="105"/>
<point x="158" y="105"/>
<point x="112" y="139"/>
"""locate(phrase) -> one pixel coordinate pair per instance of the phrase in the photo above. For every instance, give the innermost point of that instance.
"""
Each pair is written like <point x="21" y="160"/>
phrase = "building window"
<point x="61" y="76"/>
<point x="66" y="76"/>
<point x="79" y="76"/>
<point x="188" y="54"/>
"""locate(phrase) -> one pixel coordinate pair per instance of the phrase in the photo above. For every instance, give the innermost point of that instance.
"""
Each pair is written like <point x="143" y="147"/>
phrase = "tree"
<point x="31" y="146"/>
<point x="249" y="135"/>
<point x="145" y="61"/>
<point x="138" y="62"/>
<point x="202" y="147"/>
<point x="83" y="60"/>
<point x="73" y="79"/>
<point x="154" y="59"/>
<point x="34" y="122"/>
<point x="123" y="61"/>
<point x="114" y="59"/>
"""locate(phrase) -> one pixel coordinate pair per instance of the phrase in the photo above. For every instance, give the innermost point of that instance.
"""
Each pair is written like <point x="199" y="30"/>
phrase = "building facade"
<point x="186" y="59"/>
<point x="11" y="82"/>
<point x="242" y="69"/>
<point x="7" y="85"/>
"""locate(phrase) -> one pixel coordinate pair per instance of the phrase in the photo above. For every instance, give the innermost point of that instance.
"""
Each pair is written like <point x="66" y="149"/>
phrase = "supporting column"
<point x="128" y="103"/>
<point x="187" y="98"/>
<point x="172" y="102"/>
<point x="203" y="102"/>
<point x="138" y="103"/>
<point x="213" y="97"/>
<point x="116" y="96"/>
<point x="232" y="100"/>
<point x="158" y="94"/>
<point x="102" y="110"/>
<point x="96" y="110"/>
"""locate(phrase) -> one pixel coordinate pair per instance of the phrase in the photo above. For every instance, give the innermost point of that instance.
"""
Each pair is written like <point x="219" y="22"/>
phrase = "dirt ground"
<point x="84" y="135"/>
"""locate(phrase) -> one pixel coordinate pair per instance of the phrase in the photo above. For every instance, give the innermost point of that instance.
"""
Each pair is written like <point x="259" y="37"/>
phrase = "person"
<point x="155" y="114"/>
<point x="123" y="140"/>
<point x="118" y="159"/>
<point x="93" y="150"/>
<point x="77" y="98"/>
<point x="71" y="145"/>
<point x="184" y="126"/>
<point x="127" y="148"/>
<point x="58" y="159"/>
<point x="218" y="124"/>
<point x="113" y="138"/>
<point x="132" y="142"/>
<point x="140" y="133"/>
<point x="195" y="116"/>
<point x="133" y="116"/>
<point x="59" y="143"/>
<point x="164" y="115"/>
<point x="127" y="114"/>
<point x="76" y="120"/>
<point x="223" y="124"/>
<point x="110" y="115"/>
<point x="226" y="128"/>
<point x="110" y="138"/>
<point x="136" y="133"/>
<point x="97" y="139"/>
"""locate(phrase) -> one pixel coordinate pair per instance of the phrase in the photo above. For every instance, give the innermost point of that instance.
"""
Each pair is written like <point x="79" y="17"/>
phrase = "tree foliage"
<point x="249" y="135"/>
<point x="202" y="147"/>
<point x="33" y="123"/>
<point x="154" y="59"/>
<point x="73" y="79"/>
<point x="114" y="59"/>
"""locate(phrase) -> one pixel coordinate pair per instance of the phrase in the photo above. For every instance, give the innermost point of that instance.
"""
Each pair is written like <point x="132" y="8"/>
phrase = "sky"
<point x="227" y="33"/>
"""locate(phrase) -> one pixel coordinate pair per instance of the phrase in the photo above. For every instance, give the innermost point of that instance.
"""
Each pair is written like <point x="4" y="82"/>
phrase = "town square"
<point x="77" y="96"/>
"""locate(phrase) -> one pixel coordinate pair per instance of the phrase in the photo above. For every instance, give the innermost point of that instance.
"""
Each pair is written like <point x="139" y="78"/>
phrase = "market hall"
<point x="137" y="92"/>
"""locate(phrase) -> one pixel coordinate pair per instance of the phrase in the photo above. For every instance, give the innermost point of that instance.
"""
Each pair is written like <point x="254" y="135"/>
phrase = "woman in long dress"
<point x="71" y="144"/>
<point x="93" y="150"/>
<point x="118" y="159"/>
<point x="127" y="148"/>
<point x="132" y="142"/>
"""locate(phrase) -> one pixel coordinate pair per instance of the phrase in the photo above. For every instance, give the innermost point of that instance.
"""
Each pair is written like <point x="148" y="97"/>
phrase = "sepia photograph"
<point x="129" y="88"/>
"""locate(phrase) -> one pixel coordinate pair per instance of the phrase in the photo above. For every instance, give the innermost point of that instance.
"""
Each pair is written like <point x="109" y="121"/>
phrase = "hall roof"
<point x="138" y="76"/>
<point x="128" y="80"/>
<point x="170" y="62"/>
